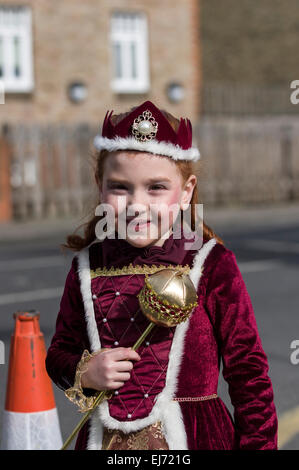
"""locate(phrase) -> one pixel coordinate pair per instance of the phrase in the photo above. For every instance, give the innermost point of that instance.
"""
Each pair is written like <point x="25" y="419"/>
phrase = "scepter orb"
<point x="168" y="297"/>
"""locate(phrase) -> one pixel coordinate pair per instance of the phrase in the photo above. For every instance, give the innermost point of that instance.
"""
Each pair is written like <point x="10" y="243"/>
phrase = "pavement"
<point x="241" y="218"/>
<point x="218" y="218"/>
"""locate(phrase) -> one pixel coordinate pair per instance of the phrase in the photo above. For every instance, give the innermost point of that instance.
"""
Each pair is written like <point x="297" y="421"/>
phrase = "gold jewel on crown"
<point x="145" y="127"/>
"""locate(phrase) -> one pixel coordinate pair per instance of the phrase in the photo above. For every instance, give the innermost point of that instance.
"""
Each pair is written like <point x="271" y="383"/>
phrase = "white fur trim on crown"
<point x="153" y="146"/>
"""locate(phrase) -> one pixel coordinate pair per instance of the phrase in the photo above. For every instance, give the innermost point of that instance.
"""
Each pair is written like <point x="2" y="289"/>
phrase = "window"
<point x="16" y="48"/>
<point x="129" y="53"/>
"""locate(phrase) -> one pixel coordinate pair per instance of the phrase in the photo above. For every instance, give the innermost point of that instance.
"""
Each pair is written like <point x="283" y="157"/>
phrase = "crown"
<point x="146" y="129"/>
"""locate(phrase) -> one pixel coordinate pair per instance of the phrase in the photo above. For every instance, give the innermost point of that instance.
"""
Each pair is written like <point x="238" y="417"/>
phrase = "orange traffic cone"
<point x="30" y="418"/>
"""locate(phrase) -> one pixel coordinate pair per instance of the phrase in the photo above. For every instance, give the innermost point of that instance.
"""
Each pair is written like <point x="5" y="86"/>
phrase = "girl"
<point x="164" y="396"/>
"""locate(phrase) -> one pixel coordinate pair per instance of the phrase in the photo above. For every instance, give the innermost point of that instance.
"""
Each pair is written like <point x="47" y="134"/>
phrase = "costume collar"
<point x="119" y="253"/>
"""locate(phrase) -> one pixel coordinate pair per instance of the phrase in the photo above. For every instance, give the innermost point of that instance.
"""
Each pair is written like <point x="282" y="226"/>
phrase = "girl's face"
<point x="146" y="193"/>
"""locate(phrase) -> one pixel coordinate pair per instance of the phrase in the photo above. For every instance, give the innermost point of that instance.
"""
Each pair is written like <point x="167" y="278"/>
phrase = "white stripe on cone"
<point x="31" y="431"/>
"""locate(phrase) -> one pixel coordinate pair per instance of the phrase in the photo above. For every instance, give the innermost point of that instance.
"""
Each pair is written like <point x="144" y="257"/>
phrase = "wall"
<point x="70" y="42"/>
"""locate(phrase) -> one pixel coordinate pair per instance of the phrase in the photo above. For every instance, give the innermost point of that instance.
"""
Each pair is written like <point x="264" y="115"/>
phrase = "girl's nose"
<point x="137" y="211"/>
<point x="137" y="205"/>
<point x="135" y="199"/>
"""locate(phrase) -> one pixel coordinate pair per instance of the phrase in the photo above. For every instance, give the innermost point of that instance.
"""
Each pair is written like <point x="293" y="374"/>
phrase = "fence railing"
<point x="244" y="160"/>
<point x="249" y="159"/>
<point x="51" y="169"/>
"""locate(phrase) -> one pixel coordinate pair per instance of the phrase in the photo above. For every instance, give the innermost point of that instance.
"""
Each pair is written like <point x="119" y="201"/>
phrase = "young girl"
<point x="164" y="395"/>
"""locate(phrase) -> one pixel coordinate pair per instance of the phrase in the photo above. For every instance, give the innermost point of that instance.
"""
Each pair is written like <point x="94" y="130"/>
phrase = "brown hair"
<point x="76" y="242"/>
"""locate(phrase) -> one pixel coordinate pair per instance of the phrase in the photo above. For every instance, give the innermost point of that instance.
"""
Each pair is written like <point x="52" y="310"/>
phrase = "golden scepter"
<point x="167" y="298"/>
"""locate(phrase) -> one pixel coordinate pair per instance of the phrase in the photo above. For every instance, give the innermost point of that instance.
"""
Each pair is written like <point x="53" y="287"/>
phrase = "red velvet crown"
<point x="165" y="133"/>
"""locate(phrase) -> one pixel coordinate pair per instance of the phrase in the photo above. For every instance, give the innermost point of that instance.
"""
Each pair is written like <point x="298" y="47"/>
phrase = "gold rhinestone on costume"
<point x="145" y="127"/>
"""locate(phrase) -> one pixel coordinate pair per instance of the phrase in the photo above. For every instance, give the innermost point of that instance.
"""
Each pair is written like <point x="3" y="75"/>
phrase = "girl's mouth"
<point x="139" y="224"/>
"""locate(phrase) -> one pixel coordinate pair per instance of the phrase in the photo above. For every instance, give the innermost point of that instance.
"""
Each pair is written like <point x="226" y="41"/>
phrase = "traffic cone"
<point x="30" y="420"/>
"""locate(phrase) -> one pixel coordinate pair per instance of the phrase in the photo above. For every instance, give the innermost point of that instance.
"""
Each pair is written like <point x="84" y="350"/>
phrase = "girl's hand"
<point x="109" y="369"/>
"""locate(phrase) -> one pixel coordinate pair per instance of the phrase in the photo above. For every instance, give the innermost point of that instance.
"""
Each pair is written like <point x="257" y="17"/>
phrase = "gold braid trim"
<point x="138" y="269"/>
<point x="75" y="394"/>
<point x="207" y="397"/>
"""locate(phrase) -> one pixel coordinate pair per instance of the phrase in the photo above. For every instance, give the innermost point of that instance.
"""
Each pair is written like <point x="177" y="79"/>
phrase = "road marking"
<point x="288" y="426"/>
<point x="32" y="263"/>
<point x="277" y="246"/>
<point x="28" y="296"/>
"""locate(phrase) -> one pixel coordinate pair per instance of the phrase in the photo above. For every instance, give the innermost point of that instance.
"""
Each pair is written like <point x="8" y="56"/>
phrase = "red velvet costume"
<point x="176" y="380"/>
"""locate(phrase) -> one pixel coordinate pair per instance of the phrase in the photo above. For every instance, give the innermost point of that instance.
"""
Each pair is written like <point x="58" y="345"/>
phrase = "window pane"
<point x="17" y="58"/>
<point x="128" y="32"/>
<point x="133" y="60"/>
<point x="1" y="58"/>
<point x="117" y="60"/>
<point x="16" y="64"/>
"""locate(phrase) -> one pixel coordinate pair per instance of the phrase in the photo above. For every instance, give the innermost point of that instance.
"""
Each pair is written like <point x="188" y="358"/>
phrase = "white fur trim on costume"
<point x="165" y="409"/>
<point x="172" y="419"/>
<point x="153" y="146"/>
<point x="195" y="272"/>
<point x="85" y="285"/>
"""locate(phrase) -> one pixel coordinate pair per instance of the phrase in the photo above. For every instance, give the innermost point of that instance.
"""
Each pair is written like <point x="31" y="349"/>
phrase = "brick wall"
<point x="251" y="42"/>
<point x="70" y="42"/>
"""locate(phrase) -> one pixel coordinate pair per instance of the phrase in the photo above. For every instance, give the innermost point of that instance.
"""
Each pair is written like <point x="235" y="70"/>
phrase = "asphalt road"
<point x="33" y="272"/>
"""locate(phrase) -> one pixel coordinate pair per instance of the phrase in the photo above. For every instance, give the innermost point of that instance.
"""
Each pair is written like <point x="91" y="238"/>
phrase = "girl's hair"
<point x="76" y="242"/>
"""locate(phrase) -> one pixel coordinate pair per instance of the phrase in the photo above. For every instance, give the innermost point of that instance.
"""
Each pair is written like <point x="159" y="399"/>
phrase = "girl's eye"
<point x="117" y="186"/>
<point x="156" y="187"/>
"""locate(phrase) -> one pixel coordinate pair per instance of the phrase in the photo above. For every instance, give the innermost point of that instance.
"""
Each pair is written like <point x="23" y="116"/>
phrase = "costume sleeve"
<point x="245" y="365"/>
<point x="70" y="338"/>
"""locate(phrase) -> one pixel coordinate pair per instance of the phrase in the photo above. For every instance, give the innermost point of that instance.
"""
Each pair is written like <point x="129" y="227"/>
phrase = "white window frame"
<point x="129" y="33"/>
<point x="16" y="22"/>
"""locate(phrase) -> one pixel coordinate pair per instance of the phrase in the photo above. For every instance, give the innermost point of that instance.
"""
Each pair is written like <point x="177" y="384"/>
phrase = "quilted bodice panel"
<point x="120" y="323"/>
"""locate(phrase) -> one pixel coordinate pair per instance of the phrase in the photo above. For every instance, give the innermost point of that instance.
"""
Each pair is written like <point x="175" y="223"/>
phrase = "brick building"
<point x="249" y="56"/>
<point x="257" y="43"/>
<point x="71" y="60"/>
<point x="63" y="64"/>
